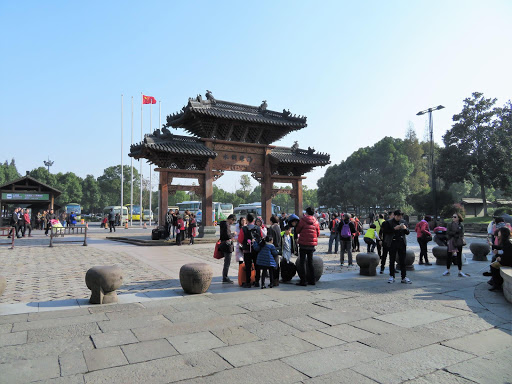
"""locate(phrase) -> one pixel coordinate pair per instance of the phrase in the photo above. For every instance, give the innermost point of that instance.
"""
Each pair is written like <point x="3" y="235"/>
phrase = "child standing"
<point x="371" y="237"/>
<point x="288" y="248"/>
<point x="265" y="260"/>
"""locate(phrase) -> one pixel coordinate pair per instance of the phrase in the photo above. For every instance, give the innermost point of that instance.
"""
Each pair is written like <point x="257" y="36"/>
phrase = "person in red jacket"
<point x="423" y="237"/>
<point x="181" y="230"/>
<point x="308" y="231"/>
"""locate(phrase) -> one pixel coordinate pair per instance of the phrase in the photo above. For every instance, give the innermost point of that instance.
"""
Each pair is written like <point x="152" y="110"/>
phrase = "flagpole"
<point x="122" y="173"/>
<point x="150" y="181"/>
<point x="159" y="193"/>
<point x="142" y="140"/>
<point x="131" y="188"/>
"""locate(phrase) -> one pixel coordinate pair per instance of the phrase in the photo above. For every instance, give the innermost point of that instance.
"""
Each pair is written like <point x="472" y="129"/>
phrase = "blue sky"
<point x="358" y="70"/>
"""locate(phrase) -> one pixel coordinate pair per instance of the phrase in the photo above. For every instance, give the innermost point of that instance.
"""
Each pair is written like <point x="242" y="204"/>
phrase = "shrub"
<point x="501" y="210"/>
<point x="450" y="209"/>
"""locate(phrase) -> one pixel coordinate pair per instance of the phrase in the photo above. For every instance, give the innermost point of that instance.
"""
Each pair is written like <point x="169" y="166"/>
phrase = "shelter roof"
<point x="28" y="182"/>
<point x="473" y="200"/>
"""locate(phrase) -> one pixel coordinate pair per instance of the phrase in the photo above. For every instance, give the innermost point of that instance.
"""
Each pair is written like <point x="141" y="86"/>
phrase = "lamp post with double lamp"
<point x="48" y="163"/>
<point x="431" y="133"/>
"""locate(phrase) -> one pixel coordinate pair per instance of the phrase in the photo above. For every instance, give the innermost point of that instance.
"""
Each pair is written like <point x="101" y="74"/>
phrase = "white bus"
<point x="255" y="209"/>
<point x="220" y="211"/>
<point x="117" y="209"/>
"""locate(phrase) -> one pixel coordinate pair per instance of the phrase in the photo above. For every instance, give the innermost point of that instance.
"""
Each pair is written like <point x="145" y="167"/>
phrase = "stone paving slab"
<point x="340" y="376"/>
<point x="262" y="373"/>
<point x="328" y="360"/>
<point x="165" y="370"/>
<point x="482" y="343"/>
<point x="148" y="350"/>
<point x="114" y="338"/>
<point x="411" y="364"/>
<point x="489" y="369"/>
<point x="195" y="342"/>
<point x="24" y="371"/>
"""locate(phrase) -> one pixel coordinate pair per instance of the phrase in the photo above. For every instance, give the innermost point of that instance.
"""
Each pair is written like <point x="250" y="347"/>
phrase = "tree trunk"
<point x="482" y="192"/>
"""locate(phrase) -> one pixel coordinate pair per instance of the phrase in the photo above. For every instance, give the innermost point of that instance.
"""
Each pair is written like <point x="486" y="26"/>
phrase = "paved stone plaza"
<point x="346" y="329"/>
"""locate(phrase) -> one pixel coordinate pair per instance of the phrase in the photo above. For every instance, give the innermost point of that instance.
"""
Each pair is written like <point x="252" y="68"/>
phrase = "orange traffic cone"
<point x="126" y="225"/>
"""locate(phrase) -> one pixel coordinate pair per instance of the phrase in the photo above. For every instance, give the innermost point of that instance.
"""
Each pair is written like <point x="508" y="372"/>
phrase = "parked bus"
<point x="117" y="209"/>
<point x="74" y="207"/>
<point x="133" y="213"/>
<point x="146" y="214"/>
<point x="220" y="211"/>
<point x="255" y="209"/>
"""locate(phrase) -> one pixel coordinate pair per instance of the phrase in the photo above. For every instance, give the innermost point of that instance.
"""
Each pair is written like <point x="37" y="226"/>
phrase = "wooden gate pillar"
<point x="297" y="186"/>
<point x="266" y="190"/>
<point x="207" y="206"/>
<point x="163" y="197"/>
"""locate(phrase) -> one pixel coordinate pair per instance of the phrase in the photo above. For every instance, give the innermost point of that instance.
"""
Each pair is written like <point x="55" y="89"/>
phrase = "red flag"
<point x="148" y="100"/>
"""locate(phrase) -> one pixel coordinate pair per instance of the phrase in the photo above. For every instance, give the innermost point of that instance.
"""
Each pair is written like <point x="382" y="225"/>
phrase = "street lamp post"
<point x="431" y="133"/>
<point x="48" y="163"/>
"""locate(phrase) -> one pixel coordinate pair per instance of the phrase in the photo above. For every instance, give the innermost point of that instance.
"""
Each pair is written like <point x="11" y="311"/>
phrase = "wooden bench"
<point x="506" y="275"/>
<point x="5" y="232"/>
<point x="63" y="231"/>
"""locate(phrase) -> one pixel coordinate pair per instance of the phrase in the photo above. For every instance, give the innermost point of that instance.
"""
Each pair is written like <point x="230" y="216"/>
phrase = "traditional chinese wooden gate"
<point x="228" y="137"/>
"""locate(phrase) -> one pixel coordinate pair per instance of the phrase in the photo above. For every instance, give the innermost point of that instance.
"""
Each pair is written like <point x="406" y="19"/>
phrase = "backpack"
<point x="335" y="225"/>
<point x="345" y="230"/>
<point x="253" y="234"/>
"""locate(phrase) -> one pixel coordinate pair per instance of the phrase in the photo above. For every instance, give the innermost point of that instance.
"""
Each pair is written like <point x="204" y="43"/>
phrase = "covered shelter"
<point x="26" y="192"/>
<point x="228" y="136"/>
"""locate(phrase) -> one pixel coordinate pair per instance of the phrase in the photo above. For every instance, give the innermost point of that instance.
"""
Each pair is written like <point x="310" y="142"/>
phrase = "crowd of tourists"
<point x="181" y="227"/>
<point x="266" y="251"/>
<point x="21" y="221"/>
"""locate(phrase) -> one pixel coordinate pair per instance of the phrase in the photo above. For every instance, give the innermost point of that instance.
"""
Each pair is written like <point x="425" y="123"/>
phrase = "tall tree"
<point x="41" y="174"/>
<point x="414" y="151"/>
<point x="110" y="186"/>
<point x="91" y="194"/>
<point x="467" y="154"/>
<point x="71" y="187"/>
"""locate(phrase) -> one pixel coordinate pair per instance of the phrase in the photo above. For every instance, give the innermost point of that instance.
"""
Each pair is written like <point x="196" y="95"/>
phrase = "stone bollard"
<point x="3" y="284"/>
<point x="409" y="261"/>
<point x="480" y="250"/>
<point x="318" y="266"/>
<point x="440" y="253"/>
<point x="103" y="282"/>
<point x="196" y="277"/>
<point x="368" y="263"/>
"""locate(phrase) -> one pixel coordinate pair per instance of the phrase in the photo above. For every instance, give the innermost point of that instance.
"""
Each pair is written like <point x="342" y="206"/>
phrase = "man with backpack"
<point x="112" y="220"/>
<point x="346" y="229"/>
<point x="334" y="236"/>
<point x="250" y="234"/>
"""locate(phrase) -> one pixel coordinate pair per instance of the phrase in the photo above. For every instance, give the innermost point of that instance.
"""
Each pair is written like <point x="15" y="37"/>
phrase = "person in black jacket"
<point x="14" y="224"/>
<point x="226" y="246"/>
<point x="503" y="253"/>
<point x="49" y="217"/>
<point x="395" y="238"/>
<point x="386" y="239"/>
<point x="112" y="220"/>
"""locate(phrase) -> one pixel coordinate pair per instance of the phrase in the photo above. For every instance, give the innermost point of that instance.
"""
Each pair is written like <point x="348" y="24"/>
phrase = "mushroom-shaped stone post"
<point x="196" y="277"/>
<point x="409" y="261"/>
<point x="318" y="266"/>
<point x="368" y="263"/>
<point x="441" y="254"/>
<point x="480" y="250"/>
<point x="103" y="282"/>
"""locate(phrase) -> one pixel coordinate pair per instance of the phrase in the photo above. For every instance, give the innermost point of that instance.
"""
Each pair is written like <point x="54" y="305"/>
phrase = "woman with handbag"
<point x="226" y="246"/>
<point x="423" y="237"/>
<point x="455" y="234"/>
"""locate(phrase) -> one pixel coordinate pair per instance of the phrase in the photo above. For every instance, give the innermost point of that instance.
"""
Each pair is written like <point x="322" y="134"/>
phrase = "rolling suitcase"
<point x="241" y="274"/>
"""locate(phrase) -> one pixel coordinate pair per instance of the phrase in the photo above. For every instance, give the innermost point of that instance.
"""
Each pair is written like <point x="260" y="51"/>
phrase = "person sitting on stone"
<point x="503" y="253"/>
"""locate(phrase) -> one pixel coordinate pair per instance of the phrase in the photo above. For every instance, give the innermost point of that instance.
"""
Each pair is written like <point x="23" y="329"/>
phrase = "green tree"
<point x="414" y="151"/>
<point x="309" y="198"/>
<point x="8" y="172"/>
<point x="42" y="175"/>
<point x="91" y="194"/>
<point x="468" y="146"/>
<point x="71" y="187"/>
<point x="245" y="187"/>
<point x="110" y="186"/>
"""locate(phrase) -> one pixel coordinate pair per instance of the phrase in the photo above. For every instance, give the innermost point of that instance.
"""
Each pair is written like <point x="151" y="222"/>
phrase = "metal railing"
<point x="63" y="231"/>
<point x="7" y="229"/>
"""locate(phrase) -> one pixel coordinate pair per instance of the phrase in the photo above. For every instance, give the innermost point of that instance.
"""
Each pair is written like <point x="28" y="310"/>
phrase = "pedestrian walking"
<point x="112" y="220"/>
<point x="455" y="234"/>
<point x="334" y="234"/>
<point x="423" y="236"/>
<point x="50" y="216"/>
<point x="27" y="223"/>
<point x="192" y="228"/>
<point x="346" y="229"/>
<point x="14" y="220"/>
